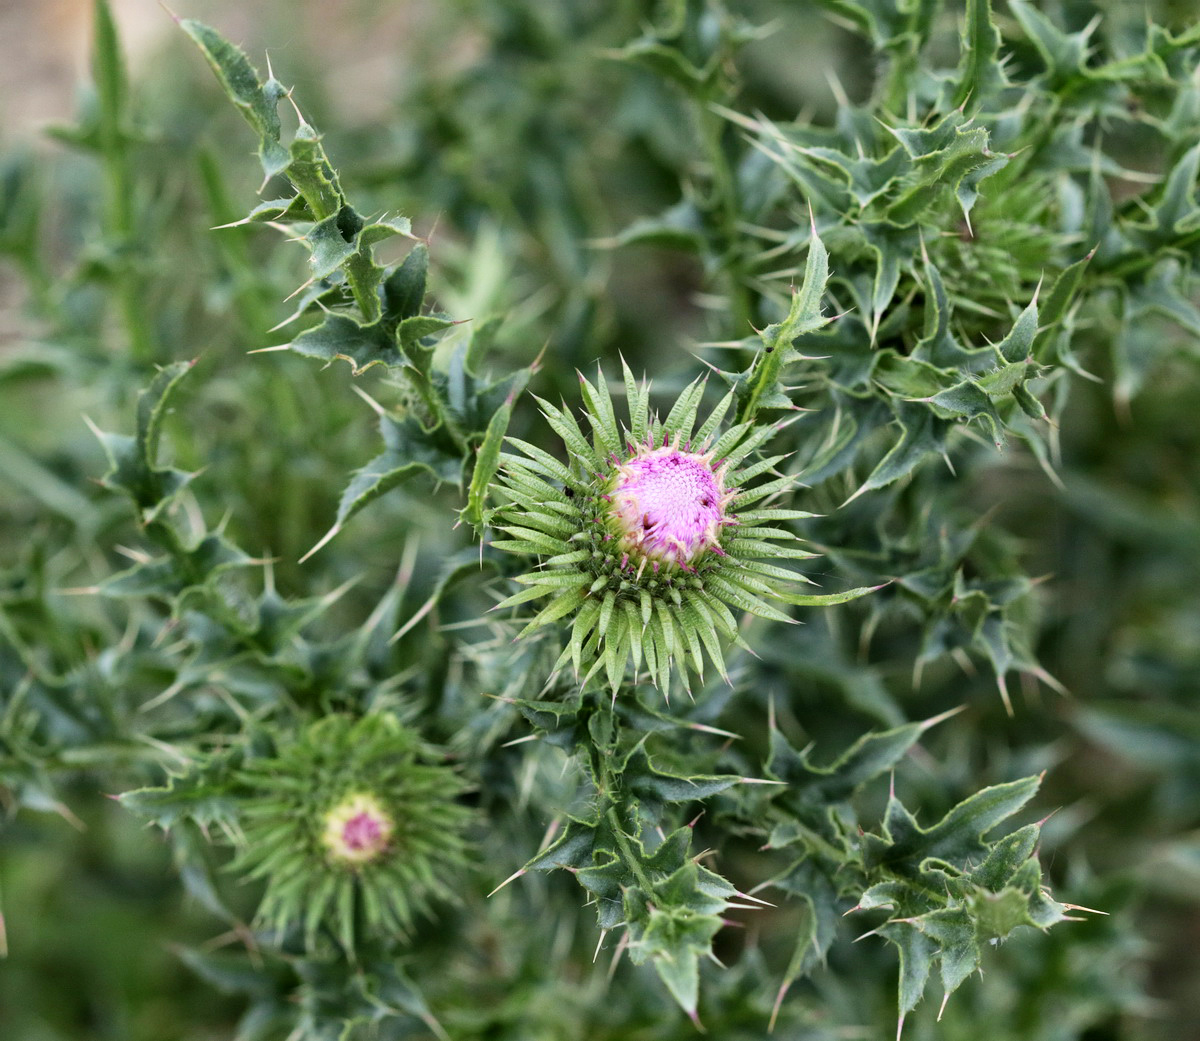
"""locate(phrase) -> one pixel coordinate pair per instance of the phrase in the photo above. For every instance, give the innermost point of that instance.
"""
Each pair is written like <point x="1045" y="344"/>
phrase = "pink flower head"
<point x="668" y="505"/>
<point x="357" y="829"/>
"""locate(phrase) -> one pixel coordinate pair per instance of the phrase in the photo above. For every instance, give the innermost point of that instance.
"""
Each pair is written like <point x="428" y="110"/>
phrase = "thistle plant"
<point x="651" y="533"/>
<point x="375" y="657"/>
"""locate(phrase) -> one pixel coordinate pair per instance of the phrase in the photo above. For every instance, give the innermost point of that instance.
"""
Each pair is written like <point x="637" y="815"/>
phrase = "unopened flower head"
<point x="354" y="824"/>
<point x="650" y="534"/>
<point x="357" y="829"/>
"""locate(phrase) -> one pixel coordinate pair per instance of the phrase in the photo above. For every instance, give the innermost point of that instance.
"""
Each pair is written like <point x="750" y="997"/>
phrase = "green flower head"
<point x="352" y="817"/>
<point x="651" y="535"/>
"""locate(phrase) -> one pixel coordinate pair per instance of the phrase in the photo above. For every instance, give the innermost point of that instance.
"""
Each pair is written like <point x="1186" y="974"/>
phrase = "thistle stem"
<point x="324" y="197"/>
<point x="728" y="211"/>
<point x="111" y="88"/>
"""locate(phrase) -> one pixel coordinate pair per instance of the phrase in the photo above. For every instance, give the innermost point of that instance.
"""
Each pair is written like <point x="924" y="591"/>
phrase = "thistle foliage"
<point x="955" y="305"/>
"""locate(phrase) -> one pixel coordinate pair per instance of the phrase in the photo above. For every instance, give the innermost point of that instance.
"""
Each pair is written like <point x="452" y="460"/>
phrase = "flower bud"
<point x="650" y="536"/>
<point x="357" y="829"/>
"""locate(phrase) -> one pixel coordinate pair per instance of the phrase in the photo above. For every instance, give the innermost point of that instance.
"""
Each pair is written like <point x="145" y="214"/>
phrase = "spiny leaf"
<point x="341" y="337"/>
<point x="980" y="72"/>
<point x="804" y="316"/>
<point x="257" y="102"/>
<point x="404" y="289"/>
<point x="133" y="461"/>
<point x="487" y="462"/>
<point x="957" y="837"/>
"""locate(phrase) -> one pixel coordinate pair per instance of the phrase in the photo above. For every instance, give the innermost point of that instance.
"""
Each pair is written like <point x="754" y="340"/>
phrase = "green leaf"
<point x="341" y="337"/>
<point x="412" y="334"/>
<point x="1063" y="53"/>
<point x="980" y="73"/>
<point x="186" y="568"/>
<point x="969" y="401"/>
<point x="680" y="971"/>
<point x="310" y="171"/>
<point x="1177" y="212"/>
<point x="998" y="914"/>
<point x="133" y="461"/>
<point x="947" y="168"/>
<point x="197" y="796"/>
<point x="916" y="961"/>
<point x="681" y="227"/>
<point x="572" y="849"/>
<point x="404" y="289"/>
<point x="229" y="973"/>
<point x="762" y="382"/>
<point x="821" y="911"/>
<point x="256" y="101"/>
<point x="922" y="435"/>
<point x="824" y="599"/>
<point x="333" y="241"/>
<point x="955" y="934"/>
<point x="1065" y="287"/>
<point x="293" y="209"/>
<point x="409" y="449"/>
<point x="487" y="462"/>
<point x="1018" y="344"/>
<point x="108" y="69"/>
<point x="657" y="786"/>
<point x="869" y="757"/>
<point x="957" y="837"/>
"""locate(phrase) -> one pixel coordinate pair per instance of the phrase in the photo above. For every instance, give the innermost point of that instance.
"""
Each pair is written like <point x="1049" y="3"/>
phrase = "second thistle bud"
<point x="356" y="827"/>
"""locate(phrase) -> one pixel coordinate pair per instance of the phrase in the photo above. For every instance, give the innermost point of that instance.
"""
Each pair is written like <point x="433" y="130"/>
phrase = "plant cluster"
<point x="563" y="687"/>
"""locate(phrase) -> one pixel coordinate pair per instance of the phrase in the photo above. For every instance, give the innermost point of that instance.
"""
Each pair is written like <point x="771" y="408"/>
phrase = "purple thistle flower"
<point x="362" y="832"/>
<point x="668" y="505"/>
<point x="357" y="829"/>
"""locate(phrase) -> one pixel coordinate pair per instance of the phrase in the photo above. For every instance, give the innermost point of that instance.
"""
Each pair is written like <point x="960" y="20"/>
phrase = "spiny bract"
<point x="650" y="534"/>
<point x="351" y="818"/>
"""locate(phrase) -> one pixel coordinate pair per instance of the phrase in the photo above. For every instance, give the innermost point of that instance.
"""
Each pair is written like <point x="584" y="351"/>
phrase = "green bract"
<point x="353" y="826"/>
<point x="655" y="580"/>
